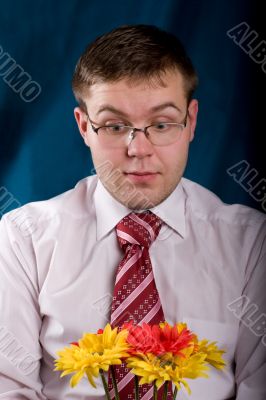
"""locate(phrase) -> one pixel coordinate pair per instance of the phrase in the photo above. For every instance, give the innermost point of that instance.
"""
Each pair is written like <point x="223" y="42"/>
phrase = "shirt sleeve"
<point x="20" y="320"/>
<point x="250" y="353"/>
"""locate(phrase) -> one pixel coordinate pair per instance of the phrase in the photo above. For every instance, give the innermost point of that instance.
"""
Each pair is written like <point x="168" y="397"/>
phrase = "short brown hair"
<point x="133" y="52"/>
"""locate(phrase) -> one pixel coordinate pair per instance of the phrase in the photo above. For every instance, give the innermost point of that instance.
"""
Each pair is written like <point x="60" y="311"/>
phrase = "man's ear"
<point x="82" y="122"/>
<point x="192" y="115"/>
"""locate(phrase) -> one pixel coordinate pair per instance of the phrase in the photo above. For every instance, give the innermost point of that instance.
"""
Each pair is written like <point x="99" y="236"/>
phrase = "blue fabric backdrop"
<point x="41" y="152"/>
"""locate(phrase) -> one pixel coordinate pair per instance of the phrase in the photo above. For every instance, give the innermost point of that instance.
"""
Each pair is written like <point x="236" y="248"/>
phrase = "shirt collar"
<point x="109" y="211"/>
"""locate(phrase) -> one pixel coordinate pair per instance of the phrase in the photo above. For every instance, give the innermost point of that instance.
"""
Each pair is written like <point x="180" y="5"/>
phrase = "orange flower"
<point x="158" y="339"/>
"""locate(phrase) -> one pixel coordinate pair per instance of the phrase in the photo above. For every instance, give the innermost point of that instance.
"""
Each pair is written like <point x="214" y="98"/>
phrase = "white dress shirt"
<point x="58" y="260"/>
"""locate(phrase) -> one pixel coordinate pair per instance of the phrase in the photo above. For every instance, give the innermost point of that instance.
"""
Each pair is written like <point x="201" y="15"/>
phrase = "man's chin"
<point x="139" y="200"/>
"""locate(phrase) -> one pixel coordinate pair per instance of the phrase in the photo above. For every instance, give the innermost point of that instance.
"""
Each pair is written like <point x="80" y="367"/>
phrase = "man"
<point x="59" y="258"/>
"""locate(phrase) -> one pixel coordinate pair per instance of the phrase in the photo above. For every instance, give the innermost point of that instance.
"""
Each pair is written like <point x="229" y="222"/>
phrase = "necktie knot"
<point x="139" y="229"/>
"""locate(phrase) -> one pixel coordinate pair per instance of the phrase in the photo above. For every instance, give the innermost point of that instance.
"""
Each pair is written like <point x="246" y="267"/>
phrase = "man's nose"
<point x="139" y="145"/>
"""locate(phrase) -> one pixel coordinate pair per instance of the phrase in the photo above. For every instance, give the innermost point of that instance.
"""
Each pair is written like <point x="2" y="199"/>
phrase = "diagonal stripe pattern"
<point x="135" y="294"/>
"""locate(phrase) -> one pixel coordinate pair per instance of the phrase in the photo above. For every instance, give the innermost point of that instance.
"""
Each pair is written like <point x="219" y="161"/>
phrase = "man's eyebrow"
<point x="160" y="107"/>
<point x="107" y="107"/>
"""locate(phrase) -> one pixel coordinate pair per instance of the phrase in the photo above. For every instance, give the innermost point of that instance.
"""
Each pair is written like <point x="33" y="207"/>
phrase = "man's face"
<point x="139" y="175"/>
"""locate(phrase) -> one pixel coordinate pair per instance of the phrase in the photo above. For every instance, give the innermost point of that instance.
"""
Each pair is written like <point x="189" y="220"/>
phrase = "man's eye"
<point x="115" y="128"/>
<point x="161" y="126"/>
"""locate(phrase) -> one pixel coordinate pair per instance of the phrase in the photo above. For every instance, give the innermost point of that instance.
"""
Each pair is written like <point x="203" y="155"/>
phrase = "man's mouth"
<point x="141" y="172"/>
<point x="141" y="176"/>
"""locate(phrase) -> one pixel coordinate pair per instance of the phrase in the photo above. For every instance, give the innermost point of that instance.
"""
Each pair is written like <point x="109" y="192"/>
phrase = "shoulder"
<point x="226" y="226"/>
<point x="206" y="206"/>
<point x="231" y="232"/>
<point x="72" y="204"/>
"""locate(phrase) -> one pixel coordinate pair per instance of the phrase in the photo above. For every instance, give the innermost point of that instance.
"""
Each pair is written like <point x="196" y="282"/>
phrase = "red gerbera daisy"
<point x="157" y="339"/>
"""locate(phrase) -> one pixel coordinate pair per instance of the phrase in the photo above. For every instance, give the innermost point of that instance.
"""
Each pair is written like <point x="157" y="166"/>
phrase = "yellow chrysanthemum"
<point x="150" y="368"/>
<point x="213" y="354"/>
<point x="209" y="349"/>
<point x="191" y="366"/>
<point x="168" y="368"/>
<point x="94" y="352"/>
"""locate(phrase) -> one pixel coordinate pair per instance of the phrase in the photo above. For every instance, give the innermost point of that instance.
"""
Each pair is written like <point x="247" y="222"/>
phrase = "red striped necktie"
<point x="135" y="294"/>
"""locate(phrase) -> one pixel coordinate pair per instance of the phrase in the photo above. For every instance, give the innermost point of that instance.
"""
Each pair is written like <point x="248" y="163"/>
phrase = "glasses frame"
<point x="131" y="134"/>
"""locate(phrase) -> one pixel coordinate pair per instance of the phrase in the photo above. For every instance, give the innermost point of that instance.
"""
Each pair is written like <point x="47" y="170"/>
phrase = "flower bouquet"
<point x="155" y="354"/>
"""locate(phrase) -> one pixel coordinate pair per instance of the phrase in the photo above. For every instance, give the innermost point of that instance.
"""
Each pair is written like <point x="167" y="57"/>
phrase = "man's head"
<point x="134" y="53"/>
<point x="137" y="76"/>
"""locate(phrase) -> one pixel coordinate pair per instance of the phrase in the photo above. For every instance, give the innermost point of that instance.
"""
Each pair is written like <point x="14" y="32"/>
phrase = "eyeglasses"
<point x="159" y="134"/>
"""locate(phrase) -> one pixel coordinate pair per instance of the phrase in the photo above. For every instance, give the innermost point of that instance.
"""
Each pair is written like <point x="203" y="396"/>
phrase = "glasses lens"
<point x="114" y="135"/>
<point x="164" y="133"/>
<point x="161" y="134"/>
